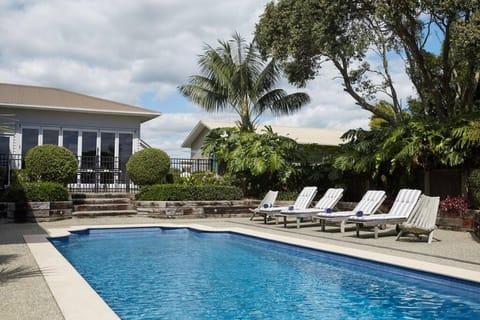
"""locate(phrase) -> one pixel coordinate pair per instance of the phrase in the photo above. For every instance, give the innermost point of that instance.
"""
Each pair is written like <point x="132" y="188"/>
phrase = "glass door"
<point x="89" y="157"/>
<point x="125" y="150"/>
<point x="107" y="157"/>
<point x="4" y="160"/>
<point x="70" y="141"/>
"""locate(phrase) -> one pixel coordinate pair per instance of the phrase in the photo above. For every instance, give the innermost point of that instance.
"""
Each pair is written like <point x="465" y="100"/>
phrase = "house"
<point x="315" y="136"/>
<point x="101" y="133"/>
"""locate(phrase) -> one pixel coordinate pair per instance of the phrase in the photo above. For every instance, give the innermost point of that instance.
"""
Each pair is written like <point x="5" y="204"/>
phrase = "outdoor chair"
<point x="402" y="208"/>
<point x="422" y="220"/>
<point x="303" y="200"/>
<point x="267" y="202"/>
<point x="328" y="201"/>
<point x="368" y="205"/>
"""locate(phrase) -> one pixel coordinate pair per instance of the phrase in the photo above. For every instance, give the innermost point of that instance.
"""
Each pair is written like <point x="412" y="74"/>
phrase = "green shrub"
<point x="148" y="167"/>
<point x="172" y="192"/>
<point x="36" y="191"/>
<point x="51" y="163"/>
<point x="19" y="176"/>
<point x="202" y="178"/>
<point x="287" y="196"/>
<point x="473" y="185"/>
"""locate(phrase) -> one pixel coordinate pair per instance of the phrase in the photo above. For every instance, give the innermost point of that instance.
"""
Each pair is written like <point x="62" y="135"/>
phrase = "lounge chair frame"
<point x="369" y="204"/>
<point x="422" y="220"/>
<point x="403" y="206"/>
<point x="269" y="198"/>
<point x="329" y="200"/>
<point x="303" y="200"/>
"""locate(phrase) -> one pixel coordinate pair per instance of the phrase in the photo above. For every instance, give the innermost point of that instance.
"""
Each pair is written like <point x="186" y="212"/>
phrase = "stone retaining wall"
<point x="195" y="209"/>
<point x="39" y="211"/>
<point x="205" y="209"/>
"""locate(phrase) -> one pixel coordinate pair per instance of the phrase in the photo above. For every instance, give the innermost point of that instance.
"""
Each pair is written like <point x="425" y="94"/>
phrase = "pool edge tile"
<point x="74" y="296"/>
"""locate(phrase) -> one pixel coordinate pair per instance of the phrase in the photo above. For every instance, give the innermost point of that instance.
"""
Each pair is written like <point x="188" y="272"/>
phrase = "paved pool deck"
<point x="24" y="293"/>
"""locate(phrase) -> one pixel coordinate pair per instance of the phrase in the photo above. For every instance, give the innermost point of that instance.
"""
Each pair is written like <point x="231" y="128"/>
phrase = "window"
<point x="107" y="159"/>
<point x="50" y="136"/>
<point x="89" y="144"/>
<point x="89" y="149"/>
<point x="70" y="141"/>
<point x="4" y="145"/>
<point x="125" y="148"/>
<point x="29" y="139"/>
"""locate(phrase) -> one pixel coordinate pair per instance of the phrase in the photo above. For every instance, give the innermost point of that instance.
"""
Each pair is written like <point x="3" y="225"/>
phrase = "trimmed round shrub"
<point x="148" y="166"/>
<point x="51" y="163"/>
<point x="36" y="191"/>
<point x="172" y="192"/>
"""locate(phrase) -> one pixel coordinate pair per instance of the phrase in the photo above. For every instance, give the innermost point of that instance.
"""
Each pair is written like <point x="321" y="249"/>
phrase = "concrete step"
<point x="100" y="201"/>
<point x="102" y="195"/>
<point x="104" y="213"/>
<point x="105" y="207"/>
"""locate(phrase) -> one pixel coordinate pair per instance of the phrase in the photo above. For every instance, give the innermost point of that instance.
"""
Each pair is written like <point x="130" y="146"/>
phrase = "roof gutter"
<point x="146" y="115"/>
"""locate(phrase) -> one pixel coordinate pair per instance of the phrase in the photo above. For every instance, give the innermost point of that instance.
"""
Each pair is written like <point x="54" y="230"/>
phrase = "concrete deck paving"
<point x="24" y="294"/>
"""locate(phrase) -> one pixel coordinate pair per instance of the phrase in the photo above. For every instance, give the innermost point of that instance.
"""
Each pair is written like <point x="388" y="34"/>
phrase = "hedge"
<point x="148" y="166"/>
<point x="172" y="192"/>
<point x="51" y="163"/>
<point x="36" y="191"/>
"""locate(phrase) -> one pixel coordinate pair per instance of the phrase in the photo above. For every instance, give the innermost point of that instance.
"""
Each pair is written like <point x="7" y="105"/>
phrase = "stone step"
<point x="100" y="201"/>
<point x="101" y="195"/>
<point x="103" y="207"/>
<point x="104" y="213"/>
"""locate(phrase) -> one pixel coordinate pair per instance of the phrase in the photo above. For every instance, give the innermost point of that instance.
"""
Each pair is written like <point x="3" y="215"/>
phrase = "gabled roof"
<point x="324" y="137"/>
<point x="43" y="98"/>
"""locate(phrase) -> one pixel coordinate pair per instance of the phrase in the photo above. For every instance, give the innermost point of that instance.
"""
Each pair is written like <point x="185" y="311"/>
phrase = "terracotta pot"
<point x="468" y="223"/>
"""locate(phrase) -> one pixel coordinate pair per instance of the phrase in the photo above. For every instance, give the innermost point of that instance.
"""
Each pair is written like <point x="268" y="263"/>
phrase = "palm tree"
<point x="234" y="77"/>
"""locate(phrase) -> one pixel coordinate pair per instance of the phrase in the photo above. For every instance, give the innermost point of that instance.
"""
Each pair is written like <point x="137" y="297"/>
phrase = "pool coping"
<point x="78" y="300"/>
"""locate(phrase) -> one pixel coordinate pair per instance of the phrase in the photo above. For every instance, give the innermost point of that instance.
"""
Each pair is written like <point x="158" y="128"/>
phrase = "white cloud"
<point x="168" y="131"/>
<point x="122" y="50"/>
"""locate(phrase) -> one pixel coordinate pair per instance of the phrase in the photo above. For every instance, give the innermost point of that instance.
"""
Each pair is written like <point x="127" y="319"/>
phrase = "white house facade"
<point x="322" y="137"/>
<point x="103" y="134"/>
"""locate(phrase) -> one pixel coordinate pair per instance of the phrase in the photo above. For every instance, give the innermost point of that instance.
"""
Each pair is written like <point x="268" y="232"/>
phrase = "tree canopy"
<point x="438" y="41"/>
<point x="234" y="77"/>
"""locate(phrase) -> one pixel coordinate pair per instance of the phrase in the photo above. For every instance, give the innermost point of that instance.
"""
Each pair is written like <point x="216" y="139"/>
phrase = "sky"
<point x="139" y="52"/>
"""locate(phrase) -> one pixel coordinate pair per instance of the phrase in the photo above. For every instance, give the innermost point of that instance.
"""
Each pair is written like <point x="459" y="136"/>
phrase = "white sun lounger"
<point x="328" y="201"/>
<point x="422" y="220"/>
<point x="368" y="205"/>
<point x="303" y="200"/>
<point x="402" y="207"/>
<point x="267" y="202"/>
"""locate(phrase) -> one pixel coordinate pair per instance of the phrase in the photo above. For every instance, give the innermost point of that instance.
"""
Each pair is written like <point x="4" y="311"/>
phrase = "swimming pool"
<point x="167" y="273"/>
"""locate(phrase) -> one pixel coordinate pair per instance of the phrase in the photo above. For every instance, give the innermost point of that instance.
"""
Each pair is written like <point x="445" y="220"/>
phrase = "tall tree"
<point x="303" y="34"/>
<point x="235" y="78"/>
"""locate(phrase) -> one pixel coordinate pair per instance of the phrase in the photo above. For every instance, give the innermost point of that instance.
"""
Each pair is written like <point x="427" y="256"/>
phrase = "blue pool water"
<point x="154" y="273"/>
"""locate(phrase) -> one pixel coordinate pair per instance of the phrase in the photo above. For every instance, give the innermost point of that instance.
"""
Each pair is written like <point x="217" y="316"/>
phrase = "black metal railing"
<point x="103" y="173"/>
<point x="193" y="165"/>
